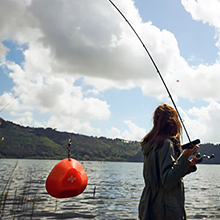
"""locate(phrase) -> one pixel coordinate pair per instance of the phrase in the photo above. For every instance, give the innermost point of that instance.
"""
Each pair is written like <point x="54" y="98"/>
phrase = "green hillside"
<point x="25" y="142"/>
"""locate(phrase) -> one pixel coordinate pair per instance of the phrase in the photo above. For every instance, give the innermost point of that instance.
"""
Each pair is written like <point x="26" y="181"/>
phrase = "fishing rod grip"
<point x="190" y="144"/>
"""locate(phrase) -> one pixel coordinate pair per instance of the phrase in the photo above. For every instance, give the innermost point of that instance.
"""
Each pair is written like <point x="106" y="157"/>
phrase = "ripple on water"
<point x="118" y="187"/>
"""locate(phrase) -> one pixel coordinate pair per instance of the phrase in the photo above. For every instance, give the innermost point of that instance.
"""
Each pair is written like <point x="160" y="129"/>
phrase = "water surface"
<point x="118" y="188"/>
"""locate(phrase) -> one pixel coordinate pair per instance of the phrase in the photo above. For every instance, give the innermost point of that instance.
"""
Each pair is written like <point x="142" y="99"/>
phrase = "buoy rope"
<point x="68" y="148"/>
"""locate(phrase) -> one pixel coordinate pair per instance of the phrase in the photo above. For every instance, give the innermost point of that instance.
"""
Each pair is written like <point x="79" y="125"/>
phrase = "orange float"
<point x="67" y="179"/>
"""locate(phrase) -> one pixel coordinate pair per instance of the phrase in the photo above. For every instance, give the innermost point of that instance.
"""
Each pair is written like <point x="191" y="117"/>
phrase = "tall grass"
<point x="18" y="203"/>
<point x="4" y="194"/>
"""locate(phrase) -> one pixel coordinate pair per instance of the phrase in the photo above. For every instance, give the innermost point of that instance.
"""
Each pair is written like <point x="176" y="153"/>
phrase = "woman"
<point x="164" y="168"/>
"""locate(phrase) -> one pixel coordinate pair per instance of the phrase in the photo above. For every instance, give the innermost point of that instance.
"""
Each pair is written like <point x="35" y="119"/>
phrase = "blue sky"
<point x="78" y="67"/>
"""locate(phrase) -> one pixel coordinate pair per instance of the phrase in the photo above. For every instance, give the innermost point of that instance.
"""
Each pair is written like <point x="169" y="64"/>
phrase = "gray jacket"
<point x="163" y="194"/>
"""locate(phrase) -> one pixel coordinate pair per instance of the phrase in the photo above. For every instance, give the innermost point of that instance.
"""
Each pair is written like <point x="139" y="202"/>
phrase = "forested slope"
<point x="25" y="142"/>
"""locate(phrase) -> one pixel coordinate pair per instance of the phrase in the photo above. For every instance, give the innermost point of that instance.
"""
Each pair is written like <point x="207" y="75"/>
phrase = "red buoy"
<point x="67" y="179"/>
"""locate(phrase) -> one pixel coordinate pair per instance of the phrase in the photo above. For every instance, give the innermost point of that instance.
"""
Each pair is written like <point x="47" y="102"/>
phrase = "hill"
<point x="26" y="142"/>
<point x="17" y="141"/>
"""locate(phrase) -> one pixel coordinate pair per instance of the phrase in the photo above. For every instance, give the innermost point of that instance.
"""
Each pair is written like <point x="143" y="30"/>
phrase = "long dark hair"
<point x="166" y="124"/>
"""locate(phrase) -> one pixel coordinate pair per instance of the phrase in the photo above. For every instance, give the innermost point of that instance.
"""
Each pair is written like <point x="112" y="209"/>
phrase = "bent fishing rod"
<point x="191" y="143"/>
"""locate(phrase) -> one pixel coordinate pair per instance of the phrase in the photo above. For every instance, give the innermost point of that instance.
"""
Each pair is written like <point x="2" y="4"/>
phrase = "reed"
<point x="5" y="192"/>
<point x="17" y="204"/>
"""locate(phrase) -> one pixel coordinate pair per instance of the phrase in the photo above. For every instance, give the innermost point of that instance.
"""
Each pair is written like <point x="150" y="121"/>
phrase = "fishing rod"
<point x="191" y="144"/>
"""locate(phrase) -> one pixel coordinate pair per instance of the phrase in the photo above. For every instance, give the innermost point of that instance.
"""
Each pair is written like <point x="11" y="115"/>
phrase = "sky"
<point x="77" y="66"/>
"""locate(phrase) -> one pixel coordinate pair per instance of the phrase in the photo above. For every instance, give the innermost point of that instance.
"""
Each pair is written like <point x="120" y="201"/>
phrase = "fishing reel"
<point x="199" y="157"/>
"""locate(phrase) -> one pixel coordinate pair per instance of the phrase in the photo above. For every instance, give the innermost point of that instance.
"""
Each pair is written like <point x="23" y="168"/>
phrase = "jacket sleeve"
<point x="172" y="169"/>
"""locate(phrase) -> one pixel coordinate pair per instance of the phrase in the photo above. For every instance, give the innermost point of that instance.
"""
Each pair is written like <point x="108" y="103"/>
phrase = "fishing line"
<point x="4" y="107"/>
<point x="68" y="178"/>
<point x="7" y="104"/>
<point x="71" y="120"/>
<point x="158" y="71"/>
<point x="191" y="143"/>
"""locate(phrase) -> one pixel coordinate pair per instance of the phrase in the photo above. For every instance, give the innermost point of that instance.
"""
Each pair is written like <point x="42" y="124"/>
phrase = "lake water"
<point x="118" y="190"/>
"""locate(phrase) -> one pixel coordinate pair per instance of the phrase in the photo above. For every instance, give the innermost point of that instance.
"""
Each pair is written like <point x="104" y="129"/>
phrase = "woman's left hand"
<point x="193" y="161"/>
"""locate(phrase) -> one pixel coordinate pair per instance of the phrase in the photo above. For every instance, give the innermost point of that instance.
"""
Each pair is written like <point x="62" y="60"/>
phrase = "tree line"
<point x="17" y="141"/>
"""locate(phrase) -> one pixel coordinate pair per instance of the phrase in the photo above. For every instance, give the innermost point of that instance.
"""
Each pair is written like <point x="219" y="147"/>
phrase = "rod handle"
<point x="190" y="144"/>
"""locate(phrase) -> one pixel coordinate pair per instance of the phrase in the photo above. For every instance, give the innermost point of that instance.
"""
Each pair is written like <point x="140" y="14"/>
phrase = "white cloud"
<point x="203" y="123"/>
<point x="104" y="50"/>
<point x="24" y="118"/>
<point x="16" y="21"/>
<point x="114" y="132"/>
<point x="8" y="101"/>
<point x="63" y="122"/>
<point x="201" y="82"/>
<point x="68" y="40"/>
<point x="132" y="133"/>
<point x="50" y="94"/>
<point x="206" y="11"/>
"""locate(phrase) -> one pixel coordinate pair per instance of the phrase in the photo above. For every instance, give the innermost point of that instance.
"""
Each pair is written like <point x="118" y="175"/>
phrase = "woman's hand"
<point x="191" y="151"/>
<point x="193" y="161"/>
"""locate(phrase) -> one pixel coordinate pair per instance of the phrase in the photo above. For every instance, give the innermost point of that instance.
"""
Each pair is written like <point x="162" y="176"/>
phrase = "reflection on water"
<point x="203" y="193"/>
<point x="117" y="185"/>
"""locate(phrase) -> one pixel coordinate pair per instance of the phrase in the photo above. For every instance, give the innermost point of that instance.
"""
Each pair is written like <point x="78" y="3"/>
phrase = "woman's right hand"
<point x="190" y="151"/>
